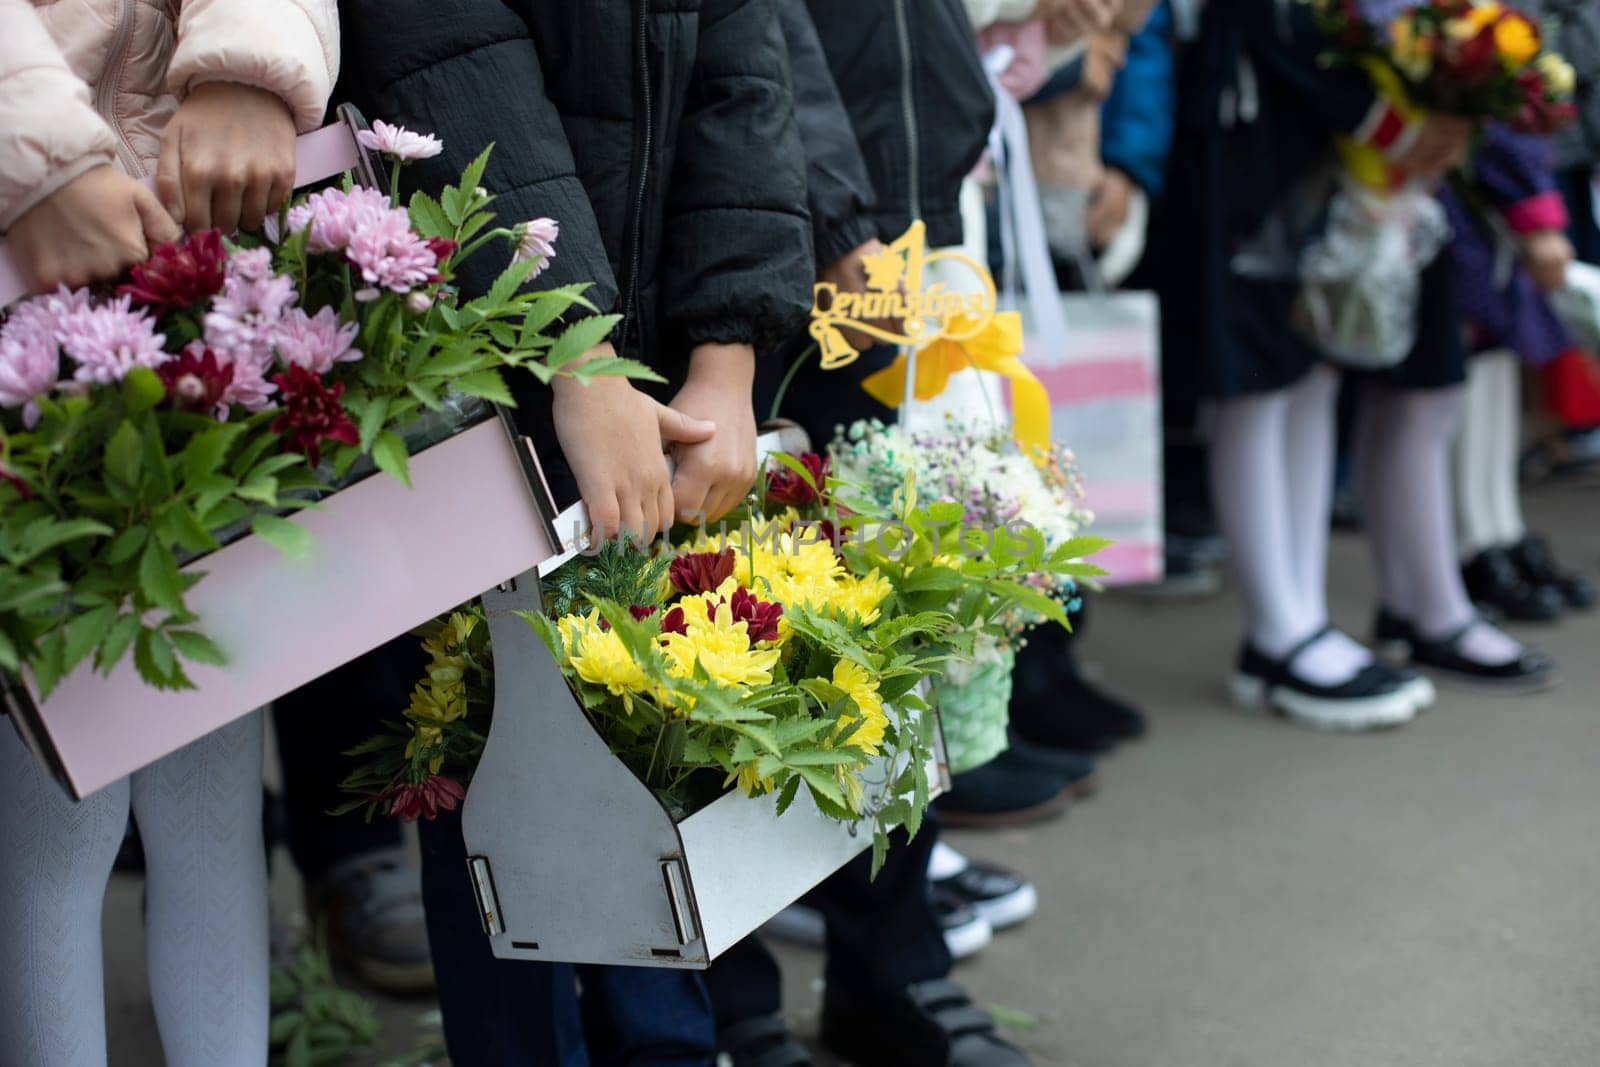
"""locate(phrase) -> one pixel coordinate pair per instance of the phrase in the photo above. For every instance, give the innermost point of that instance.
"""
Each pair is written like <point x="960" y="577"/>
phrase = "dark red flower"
<point x="701" y="572"/>
<point x="195" y="380"/>
<point x="673" y="622"/>
<point x="178" y="275"/>
<point x="760" y="616"/>
<point x="312" y="413"/>
<point x="442" y="248"/>
<point x="425" y="801"/>
<point x="10" y="477"/>
<point x="640" y="612"/>
<point x="785" y="486"/>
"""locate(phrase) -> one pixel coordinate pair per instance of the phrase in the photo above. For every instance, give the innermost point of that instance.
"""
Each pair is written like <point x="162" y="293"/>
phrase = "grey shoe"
<point x="371" y="907"/>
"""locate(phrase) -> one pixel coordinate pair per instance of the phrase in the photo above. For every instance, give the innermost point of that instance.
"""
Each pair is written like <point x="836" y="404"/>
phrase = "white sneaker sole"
<point x="800" y="925"/>
<point x="1367" y="713"/>
<point x="968" y="939"/>
<point x="1015" y="907"/>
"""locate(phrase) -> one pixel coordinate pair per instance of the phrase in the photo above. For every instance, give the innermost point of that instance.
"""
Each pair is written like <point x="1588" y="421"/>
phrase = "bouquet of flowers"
<point x="996" y="486"/>
<point x="1477" y="59"/>
<point x="785" y="650"/>
<point x="226" y="382"/>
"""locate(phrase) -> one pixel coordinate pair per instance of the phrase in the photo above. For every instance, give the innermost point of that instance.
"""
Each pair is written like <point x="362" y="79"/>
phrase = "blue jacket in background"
<point x="1138" y="118"/>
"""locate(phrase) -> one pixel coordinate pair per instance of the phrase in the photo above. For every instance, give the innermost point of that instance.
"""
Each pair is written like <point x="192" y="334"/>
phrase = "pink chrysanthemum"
<point x="335" y="216"/>
<point x="315" y="342"/>
<point x="536" y="240"/>
<point x="110" y="340"/>
<point x="250" y="264"/>
<point x="399" y="142"/>
<point x="243" y="321"/>
<point x="391" y="256"/>
<point x="250" y="388"/>
<point x="30" y="357"/>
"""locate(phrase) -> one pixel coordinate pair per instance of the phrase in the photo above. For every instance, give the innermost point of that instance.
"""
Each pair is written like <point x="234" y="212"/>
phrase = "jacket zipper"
<point x="908" y="105"/>
<point x="105" y="94"/>
<point x="630" y="301"/>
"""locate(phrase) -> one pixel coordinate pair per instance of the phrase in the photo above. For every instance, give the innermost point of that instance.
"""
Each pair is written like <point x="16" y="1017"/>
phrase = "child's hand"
<point x="227" y="158"/>
<point x="1108" y="206"/>
<point x="1547" y="254"/>
<point x="91" y="229"/>
<point x="714" y="475"/>
<point x="1103" y="59"/>
<point x="1067" y="21"/>
<point x="612" y="436"/>
<point x="849" y="273"/>
<point x="1441" y="146"/>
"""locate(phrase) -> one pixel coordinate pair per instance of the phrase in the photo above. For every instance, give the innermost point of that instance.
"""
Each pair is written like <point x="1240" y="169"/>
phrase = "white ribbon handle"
<point x="1023" y="246"/>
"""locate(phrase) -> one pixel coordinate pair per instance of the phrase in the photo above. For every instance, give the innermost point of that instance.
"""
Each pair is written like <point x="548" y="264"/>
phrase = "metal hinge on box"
<point x="488" y="902"/>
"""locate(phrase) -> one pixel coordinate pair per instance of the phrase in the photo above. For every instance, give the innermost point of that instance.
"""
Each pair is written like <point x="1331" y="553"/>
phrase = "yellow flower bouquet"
<point x="785" y="650"/>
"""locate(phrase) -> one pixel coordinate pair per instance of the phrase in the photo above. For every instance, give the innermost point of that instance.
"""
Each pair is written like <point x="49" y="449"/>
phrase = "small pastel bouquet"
<point x="1476" y="59"/>
<point x="789" y="649"/>
<point x="996" y="486"/>
<point x="226" y="382"/>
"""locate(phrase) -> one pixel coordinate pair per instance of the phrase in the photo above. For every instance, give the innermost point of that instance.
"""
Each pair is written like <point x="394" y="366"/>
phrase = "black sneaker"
<point x="1495" y="582"/>
<point x="1004" y="792"/>
<point x="929" y="1024"/>
<point x="1053" y="706"/>
<point x="764" y="1041"/>
<point x="966" y="932"/>
<point x="1536" y="564"/>
<point x="1000" y="897"/>
<point x="1376" y="698"/>
<point x="1528" y="673"/>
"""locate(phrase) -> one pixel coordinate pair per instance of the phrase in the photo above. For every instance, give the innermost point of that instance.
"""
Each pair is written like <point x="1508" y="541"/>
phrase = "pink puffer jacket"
<point x="86" y="82"/>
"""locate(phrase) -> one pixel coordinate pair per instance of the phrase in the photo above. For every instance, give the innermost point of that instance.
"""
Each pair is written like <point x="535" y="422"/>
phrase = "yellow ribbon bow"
<point x="995" y="347"/>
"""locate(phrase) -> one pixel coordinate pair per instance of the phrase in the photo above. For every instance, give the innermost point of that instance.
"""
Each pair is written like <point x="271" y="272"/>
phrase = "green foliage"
<point x="315" y="1021"/>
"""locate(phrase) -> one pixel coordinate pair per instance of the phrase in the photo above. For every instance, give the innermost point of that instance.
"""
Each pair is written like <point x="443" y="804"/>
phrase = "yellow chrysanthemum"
<point x="457" y="628"/>
<point x="423" y="737"/>
<point x="1412" y="51"/>
<point x="723" y="650"/>
<point x="599" y="657"/>
<point x="863" y="598"/>
<point x="750" y="781"/>
<point x="438" y="704"/>
<point x="1516" y="39"/>
<point x="862" y="688"/>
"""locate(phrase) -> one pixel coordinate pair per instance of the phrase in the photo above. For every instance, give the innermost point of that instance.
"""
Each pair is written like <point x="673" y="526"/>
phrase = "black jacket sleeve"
<point x="467" y="72"/>
<point x="739" y="264"/>
<point x="838" y="189"/>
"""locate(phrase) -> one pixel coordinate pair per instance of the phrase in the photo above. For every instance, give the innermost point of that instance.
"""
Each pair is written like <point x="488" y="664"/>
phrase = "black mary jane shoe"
<point x="1537" y="565"/>
<point x="1530" y="672"/>
<point x="1496" y="583"/>
<point x="928" y="1024"/>
<point x="760" y="1042"/>
<point x="1377" y="697"/>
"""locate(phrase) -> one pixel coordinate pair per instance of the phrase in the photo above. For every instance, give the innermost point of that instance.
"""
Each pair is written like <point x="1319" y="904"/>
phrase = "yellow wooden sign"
<point x="896" y="292"/>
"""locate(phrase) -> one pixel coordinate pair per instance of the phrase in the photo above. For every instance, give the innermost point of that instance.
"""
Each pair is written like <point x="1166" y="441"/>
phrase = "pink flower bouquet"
<point x="226" y="383"/>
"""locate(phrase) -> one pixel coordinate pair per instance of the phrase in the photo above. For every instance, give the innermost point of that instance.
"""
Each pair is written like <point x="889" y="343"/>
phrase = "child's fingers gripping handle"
<point x="319" y="154"/>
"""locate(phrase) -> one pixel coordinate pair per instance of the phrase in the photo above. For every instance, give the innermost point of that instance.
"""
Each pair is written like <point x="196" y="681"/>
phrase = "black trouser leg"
<point x="496" y="1012"/>
<point x="316" y="724"/>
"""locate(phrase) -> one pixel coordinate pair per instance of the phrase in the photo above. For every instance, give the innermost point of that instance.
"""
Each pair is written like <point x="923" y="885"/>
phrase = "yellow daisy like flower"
<point x="862" y="688"/>
<point x="600" y="658"/>
<point x="1559" y="77"/>
<point x="723" y="650"/>
<point x="1516" y="39"/>
<point x="423" y="737"/>
<point x="750" y="781"/>
<point x="457" y="628"/>
<point x="432" y="703"/>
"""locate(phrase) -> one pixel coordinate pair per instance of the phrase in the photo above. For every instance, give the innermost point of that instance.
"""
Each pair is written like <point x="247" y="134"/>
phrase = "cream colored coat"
<point x="88" y="82"/>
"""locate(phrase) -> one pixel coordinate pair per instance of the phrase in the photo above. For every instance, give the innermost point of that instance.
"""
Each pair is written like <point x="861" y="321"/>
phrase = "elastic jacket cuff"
<point x="1547" y="211"/>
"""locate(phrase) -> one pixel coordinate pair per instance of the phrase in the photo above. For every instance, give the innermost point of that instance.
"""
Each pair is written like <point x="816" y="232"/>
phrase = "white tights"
<point x="1488" y="507"/>
<point x="1272" y="483"/>
<point x="206" y="928"/>
<point x="1403" y="440"/>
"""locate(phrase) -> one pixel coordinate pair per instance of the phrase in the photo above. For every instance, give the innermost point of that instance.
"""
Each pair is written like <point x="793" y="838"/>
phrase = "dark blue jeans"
<point x="511" y="1013"/>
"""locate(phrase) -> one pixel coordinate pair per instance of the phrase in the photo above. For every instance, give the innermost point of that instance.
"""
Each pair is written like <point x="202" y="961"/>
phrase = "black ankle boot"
<point x="1537" y="565"/>
<point x="1494" y="580"/>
